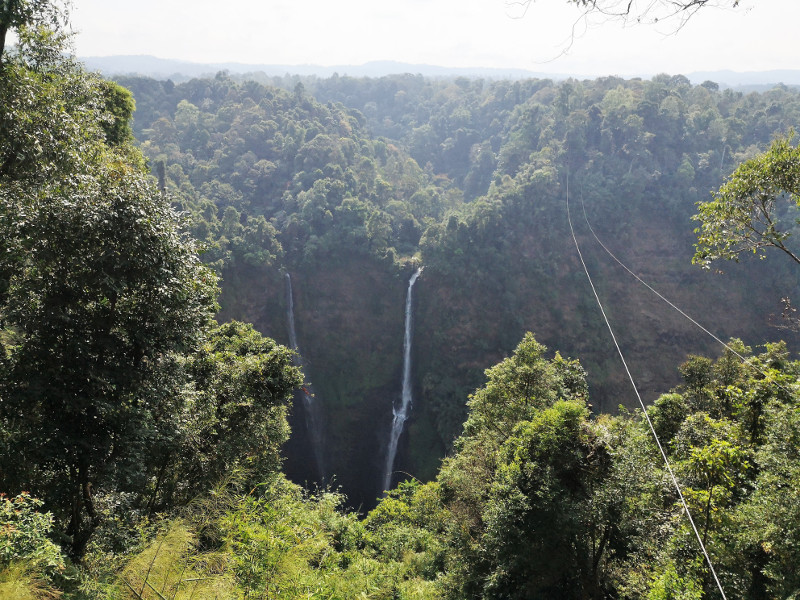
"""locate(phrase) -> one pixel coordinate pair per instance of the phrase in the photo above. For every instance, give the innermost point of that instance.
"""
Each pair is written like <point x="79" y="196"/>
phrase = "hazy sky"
<point x="759" y="35"/>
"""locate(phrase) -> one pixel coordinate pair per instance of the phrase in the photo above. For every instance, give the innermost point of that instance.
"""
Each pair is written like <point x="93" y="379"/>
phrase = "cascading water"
<point x="311" y="408"/>
<point x="402" y="411"/>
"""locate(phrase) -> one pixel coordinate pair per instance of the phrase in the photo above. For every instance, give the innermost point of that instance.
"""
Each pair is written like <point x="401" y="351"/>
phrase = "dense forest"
<point x="164" y="247"/>
<point x="349" y="184"/>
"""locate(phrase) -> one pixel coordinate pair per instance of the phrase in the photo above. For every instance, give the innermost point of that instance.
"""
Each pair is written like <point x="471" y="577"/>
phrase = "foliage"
<point x="521" y="511"/>
<point x="121" y="400"/>
<point x="17" y="14"/>
<point x="671" y="586"/>
<point x="24" y="535"/>
<point x="539" y="500"/>
<point x="354" y="176"/>
<point x="102" y="287"/>
<point x="46" y="96"/>
<point x="548" y="502"/>
<point x="286" y="544"/>
<point x="267" y="174"/>
<point x="746" y="214"/>
<point x="103" y="300"/>
<point x="172" y="567"/>
<point x="234" y="416"/>
<point x="18" y="582"/>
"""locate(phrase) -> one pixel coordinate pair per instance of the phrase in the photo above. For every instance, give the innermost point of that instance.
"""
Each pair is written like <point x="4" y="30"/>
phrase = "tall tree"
<point x="241" y="384"/>
<point x="100" y="289"/>
<point x="18" y="13"/>
<point x="754" y="210"/>
<point x="519" y="507"/>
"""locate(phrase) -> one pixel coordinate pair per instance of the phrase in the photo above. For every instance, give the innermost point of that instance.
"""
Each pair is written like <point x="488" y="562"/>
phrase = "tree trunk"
<point x="708" y="515"/>
<point x="3" y="31"/>
<point x="80" y="529"/>
<point x="159" y="480"/>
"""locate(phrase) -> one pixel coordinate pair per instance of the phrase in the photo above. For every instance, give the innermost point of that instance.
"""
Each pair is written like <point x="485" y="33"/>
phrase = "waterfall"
<point x="311" y="407"/>
<point x="401" y="412"/>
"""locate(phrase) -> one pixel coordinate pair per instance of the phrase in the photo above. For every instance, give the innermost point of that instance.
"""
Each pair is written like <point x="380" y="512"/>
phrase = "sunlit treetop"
<point x="19" y="13"/>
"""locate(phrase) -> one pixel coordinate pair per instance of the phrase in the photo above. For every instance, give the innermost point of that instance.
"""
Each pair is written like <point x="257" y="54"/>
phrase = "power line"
<point x="641" y="403"/>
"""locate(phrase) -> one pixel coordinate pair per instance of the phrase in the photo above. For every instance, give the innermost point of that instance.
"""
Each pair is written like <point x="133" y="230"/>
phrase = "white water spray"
<point x="402" y="411"/>
<point x="310" y="405"/>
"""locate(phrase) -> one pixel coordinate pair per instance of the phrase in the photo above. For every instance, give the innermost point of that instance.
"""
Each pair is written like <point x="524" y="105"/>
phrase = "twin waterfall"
<point x="401" y="412"/>
<point x="310" y="407"/>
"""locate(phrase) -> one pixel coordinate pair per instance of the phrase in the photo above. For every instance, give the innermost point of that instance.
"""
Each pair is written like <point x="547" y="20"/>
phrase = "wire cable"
<point x="641" y="403"/>
<point x="727" y="346"/>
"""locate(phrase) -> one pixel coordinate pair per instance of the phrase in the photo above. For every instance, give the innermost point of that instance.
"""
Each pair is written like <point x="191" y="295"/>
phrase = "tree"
<point x="19" y="13"/>
<point x="730" y="431"/>
<point x="767" y="543"/>
<point x="521" y="385"/>
<point x="112" y="379"/>
<point x="747" y="213"/>
<point x="234" y="417"/>
<point x="526" y="430"/>
<point x="119" y="106"/>
<point x="103" y="290"/>
<point x="45" y="95"/>
<point x="754" y="210"/>
<point x="100" y="291"/>
<point x="540" y="509"/>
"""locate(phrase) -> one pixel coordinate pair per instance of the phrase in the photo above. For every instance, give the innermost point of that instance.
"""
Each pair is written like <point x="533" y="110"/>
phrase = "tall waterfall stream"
<point x="311" y="406"/>
<point x="401" y="412"/>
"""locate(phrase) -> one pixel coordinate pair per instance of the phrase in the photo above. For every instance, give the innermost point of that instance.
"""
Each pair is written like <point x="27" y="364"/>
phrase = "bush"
<point x="24" y="535"/>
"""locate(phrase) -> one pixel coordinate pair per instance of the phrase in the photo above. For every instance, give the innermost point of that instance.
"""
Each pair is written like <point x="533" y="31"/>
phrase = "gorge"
<point x="347" y="183"/>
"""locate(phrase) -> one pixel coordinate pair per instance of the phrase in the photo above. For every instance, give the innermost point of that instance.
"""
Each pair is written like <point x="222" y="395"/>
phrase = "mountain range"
<point x="177" y="70"/>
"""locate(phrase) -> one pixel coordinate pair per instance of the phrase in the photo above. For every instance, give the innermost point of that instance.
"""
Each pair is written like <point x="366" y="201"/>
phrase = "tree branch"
<point x="655" y="11"/>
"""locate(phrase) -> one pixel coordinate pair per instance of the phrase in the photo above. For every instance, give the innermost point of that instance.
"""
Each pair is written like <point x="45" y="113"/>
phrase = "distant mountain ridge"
<point x="162" y="68"/>
<point x="749" y="79"/>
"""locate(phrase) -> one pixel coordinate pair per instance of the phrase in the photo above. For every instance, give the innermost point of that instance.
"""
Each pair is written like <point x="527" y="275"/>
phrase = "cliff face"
<point x="349" y="319"/>
<point x="539" y="285"/>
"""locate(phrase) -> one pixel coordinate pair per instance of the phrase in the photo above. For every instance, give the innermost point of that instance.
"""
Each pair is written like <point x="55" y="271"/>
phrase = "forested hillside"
<point x="149" y="445"/>
<point x="348" y="183"/>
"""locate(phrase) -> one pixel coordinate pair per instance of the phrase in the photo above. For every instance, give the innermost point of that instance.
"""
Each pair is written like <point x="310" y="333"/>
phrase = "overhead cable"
<point x="727" y="346"/>
<point x="641" y="403"/>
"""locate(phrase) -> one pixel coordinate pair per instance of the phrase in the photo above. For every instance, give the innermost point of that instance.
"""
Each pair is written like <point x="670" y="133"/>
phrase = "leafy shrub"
<point x="24" y="534"/>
